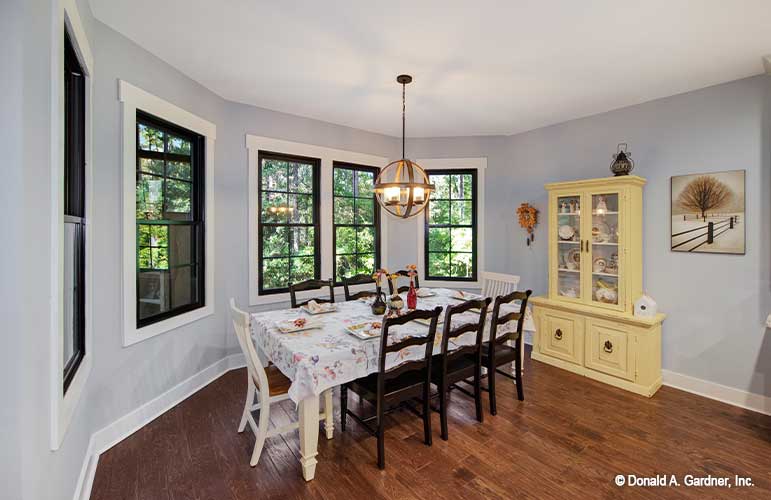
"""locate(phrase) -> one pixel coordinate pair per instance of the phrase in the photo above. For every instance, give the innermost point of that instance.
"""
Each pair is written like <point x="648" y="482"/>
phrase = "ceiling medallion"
<point x="402" y="187"/>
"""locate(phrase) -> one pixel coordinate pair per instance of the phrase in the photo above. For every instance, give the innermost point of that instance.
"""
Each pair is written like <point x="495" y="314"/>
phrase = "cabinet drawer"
<point x="610" y="349"/>
<point x="561" y="336"/>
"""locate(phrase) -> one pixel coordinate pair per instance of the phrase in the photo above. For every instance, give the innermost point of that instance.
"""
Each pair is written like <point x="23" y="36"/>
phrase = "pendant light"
<point x="402" y="187"/>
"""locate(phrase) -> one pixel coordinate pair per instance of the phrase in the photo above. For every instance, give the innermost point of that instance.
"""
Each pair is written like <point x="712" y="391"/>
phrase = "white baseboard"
<point x="128" y="424"/>
<point x="718" y="392"/>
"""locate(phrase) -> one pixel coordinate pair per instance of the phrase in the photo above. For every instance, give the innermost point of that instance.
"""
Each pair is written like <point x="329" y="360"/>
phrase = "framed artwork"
<point x="708" y="213"/>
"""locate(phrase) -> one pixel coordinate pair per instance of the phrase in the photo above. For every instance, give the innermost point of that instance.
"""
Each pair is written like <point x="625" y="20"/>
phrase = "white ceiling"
<point x="480" y="67"/>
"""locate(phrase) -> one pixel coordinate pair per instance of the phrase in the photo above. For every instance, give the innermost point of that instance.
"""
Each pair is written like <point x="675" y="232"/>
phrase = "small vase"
<point x="379" y="305"/>
<point x="412" y="296"/>
<point x="395" y="303"/>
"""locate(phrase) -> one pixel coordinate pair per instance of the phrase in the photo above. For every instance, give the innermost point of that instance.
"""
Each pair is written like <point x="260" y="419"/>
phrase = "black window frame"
<point x="197" y="222"/>
<point x="376" y="217"/>
<point x="316" y="224"/>
<point x="74" y="185"/>
<point x="474" y="225"/>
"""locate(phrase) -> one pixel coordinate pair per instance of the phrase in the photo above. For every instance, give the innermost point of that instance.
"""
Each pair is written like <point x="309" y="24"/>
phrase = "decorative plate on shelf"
<point x="566" y="232"/>
<point x="574" y="258"/>
<point x="599" y="265"/>
<point x="600" y="232"/>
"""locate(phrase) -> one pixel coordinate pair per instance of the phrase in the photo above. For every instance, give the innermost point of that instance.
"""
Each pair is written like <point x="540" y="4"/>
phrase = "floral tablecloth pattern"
<point x="317" y="359"/>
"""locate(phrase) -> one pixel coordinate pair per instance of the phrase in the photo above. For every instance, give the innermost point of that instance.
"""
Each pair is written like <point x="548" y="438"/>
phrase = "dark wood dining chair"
<point x="311" y="285"/>
<point x="496" y="351"/>
<point x="389" y="390"/>
<point x="451" y="367"/>
<point x="359" y="279"/>
<point x="404" y="288"/>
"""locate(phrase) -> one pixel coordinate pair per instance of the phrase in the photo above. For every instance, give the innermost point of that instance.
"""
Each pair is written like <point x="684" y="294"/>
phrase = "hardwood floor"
<point x="569" y="438"/>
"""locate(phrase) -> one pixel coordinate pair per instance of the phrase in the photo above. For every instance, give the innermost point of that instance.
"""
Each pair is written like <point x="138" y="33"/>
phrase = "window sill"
<point x="132" y="336"/>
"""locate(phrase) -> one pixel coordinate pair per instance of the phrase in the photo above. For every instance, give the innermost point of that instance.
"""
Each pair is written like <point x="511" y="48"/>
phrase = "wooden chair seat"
<point x="408" y="384"/>
<point x="458" y="368"/>
<point x="503" y="353"/>
<point x="277" y="381"/>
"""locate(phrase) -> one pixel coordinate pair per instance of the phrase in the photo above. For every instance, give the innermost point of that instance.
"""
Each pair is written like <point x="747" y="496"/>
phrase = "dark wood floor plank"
<point x="568" y="439"/>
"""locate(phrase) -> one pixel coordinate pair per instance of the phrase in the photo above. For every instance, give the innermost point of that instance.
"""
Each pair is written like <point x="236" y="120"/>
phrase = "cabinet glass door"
<point x="605" y="264"/>
<point x="569" y="246"/>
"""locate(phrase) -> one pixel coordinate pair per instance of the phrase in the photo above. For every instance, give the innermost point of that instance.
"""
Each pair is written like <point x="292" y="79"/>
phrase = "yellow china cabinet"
<point x="586" y="323"/>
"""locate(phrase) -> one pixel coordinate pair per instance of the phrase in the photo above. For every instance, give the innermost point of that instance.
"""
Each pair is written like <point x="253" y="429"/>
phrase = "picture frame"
<point x="707" y="212"/>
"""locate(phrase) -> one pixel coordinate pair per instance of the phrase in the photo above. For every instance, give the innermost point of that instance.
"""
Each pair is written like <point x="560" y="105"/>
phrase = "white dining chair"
<point x="495" y="284"/>
<point x="269" y="386"/>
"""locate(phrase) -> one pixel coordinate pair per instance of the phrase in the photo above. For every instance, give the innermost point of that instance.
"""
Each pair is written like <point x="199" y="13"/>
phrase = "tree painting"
<point x="704" y="193"/>
<point x="708" y="213"/>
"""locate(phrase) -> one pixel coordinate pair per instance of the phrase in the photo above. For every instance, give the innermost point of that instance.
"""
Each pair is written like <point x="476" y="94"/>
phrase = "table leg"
<point x="329" y="414"/>
<point x="309" y="435"/>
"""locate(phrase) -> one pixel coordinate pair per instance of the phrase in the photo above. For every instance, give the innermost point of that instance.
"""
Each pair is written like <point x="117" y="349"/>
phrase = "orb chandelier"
<point x="402" y="187"/>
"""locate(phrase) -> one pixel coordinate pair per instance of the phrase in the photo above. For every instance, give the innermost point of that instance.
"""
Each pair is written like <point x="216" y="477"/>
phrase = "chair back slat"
<point x="449" y="332"/>
<point x="428" y="341"/>
<point x="242" y="324"/>
<point x="498" y="319"/>
<point x="311" y="285"/>
<point x="496" y="284"/>
<point x="402" y="289"/>
<point x="512" y="316"/>
<point x="359" y="279"/>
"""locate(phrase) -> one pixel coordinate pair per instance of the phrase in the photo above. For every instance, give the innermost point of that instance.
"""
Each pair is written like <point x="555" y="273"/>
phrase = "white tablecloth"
<point x="318" y="359"/>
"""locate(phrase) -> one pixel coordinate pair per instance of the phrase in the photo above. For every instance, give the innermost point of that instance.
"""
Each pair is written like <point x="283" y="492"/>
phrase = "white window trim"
<point x="133" y="98"/>
<point x="62" y="405"/>
<point x="328" y="156"/>
<point x="480" y="164"/>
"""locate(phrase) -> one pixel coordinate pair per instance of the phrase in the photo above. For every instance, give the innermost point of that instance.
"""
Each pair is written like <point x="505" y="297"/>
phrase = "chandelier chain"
<point x="404" y="112"/>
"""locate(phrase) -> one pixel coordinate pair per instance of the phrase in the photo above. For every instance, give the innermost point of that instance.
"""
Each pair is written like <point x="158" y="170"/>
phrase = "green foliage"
<point x="274" y="175"/>
<point x="178" y="145"/>
<point x="344" y="210"/>
<point x="178" y="169"/>
<point x="151" y="166"/>
<point x="343" y="182"/>
<point x="178" y="196"/>
<point x="300" y="177"/>
<point x="150" y="139"/>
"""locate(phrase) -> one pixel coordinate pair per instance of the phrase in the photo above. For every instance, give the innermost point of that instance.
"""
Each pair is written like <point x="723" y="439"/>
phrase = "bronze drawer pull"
<point x="558" y="334"/>
<point x="608" y="346"/>
<point x="582" y="246"/>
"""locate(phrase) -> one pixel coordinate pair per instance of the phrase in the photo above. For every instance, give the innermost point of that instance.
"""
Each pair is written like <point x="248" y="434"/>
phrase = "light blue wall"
<point x="11" y="143"/>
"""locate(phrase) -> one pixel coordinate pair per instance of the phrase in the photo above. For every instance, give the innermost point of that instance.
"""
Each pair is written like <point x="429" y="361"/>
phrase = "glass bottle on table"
<point x="412" y="295"/>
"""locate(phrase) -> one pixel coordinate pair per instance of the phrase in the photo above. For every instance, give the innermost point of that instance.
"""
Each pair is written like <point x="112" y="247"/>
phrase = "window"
<point x="170" y="178"/>
<point x="451" y="226"/>
<point x="356" y="221"/>
<point x="74" y="303"/>
<point x="288" y="229"/>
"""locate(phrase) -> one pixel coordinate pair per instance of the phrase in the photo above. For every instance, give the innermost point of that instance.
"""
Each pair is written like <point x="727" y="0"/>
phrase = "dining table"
<point x="328" y="355"/>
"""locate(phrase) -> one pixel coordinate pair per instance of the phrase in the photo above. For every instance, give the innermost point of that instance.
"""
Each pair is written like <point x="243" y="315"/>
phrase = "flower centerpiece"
<point x="379" y="306"/>
<point x="395" y="302"/>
